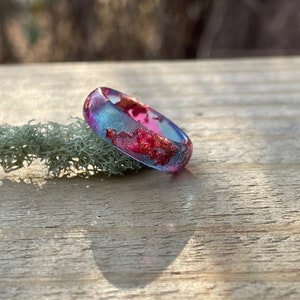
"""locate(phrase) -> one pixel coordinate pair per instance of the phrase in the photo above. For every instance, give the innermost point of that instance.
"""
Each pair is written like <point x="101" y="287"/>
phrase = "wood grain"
<point x="228" y="227"/>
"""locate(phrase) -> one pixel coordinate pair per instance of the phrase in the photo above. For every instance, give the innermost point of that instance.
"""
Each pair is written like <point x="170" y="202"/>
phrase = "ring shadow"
<point x="136" y="225"/>
<point x="148" y="222"/>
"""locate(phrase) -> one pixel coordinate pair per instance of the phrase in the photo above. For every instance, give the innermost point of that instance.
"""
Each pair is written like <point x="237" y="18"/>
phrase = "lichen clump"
<point x="65" y="149"/>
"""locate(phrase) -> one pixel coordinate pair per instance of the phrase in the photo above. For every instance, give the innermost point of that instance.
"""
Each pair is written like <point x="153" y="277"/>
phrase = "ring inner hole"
<point x="146" y="116"/>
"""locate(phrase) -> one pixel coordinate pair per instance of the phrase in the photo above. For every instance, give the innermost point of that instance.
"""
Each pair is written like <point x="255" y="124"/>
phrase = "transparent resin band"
<point x="137" y="130"/>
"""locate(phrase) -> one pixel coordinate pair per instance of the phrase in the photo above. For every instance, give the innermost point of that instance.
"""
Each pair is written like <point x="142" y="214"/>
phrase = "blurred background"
<point x="89" y="30"/>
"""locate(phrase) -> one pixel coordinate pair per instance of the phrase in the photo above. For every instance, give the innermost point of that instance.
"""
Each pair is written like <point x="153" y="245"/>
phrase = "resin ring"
<point x="137" y="130"/>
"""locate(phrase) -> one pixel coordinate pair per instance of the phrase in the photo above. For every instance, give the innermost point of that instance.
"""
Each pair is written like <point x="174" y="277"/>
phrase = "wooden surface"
<point x="228" y="227"/>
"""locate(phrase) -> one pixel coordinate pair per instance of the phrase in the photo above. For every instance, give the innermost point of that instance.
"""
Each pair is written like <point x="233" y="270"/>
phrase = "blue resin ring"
<point x="137" y="130"/>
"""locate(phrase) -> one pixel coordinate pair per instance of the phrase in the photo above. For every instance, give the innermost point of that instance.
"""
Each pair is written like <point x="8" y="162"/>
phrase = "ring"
<point x="137" y="130"/>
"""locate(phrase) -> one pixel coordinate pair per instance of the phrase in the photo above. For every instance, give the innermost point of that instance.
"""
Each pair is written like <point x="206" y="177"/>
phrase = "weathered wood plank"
<point x="228" y="227"/>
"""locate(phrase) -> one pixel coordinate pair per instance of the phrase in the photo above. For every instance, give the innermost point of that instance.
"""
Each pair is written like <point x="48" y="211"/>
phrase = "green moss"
<point x="65" y="149"/>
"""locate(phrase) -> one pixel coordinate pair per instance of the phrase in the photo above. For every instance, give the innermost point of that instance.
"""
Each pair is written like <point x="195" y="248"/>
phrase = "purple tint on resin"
<point x="137" y="130"/>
